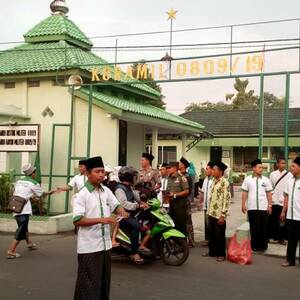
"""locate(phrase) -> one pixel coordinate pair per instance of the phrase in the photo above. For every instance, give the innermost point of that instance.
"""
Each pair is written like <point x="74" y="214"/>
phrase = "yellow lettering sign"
<point x="95" y="76"/>
<point x="106" y="73"/>
<point x="181" y="69"/>
<point x="194" y="68"/>
<point x="142" y="71"/>
<point x="129" y="73"/>
<point x="117" y="73"/>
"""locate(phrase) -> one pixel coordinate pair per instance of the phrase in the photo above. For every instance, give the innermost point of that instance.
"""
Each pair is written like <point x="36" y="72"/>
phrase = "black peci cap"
<point x="220" y="165"/>
<point x="297" y="160"/>
<point x="148" y="156"/>
<point x="256" y="162"/>
<point x="94" y="162"/>
<point x="185" y="162"/>
<point x="82" y="162"/>
<point x="211" y="164"/>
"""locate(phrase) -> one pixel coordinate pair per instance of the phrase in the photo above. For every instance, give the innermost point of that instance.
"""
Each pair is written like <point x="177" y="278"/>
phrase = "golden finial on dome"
<point x="59" y="7"/>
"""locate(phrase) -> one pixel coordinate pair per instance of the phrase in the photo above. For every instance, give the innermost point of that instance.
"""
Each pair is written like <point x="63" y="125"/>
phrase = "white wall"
<point x="104" y="133"/>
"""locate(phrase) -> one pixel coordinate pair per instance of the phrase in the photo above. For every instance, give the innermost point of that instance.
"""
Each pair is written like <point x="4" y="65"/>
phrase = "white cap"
<point x="28" y="169"/>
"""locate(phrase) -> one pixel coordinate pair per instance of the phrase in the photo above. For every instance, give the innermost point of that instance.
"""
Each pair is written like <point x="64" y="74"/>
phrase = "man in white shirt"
<point x="164" y="183"/>
<point x="257" y="201"/>
<point x="279" y="179"/>
<point x="93" y="207"/>
<point x="78" y="181"/>
<point x="291" y="212"/>
<point x="25" y="188"/>
<point x="205" y="194"/>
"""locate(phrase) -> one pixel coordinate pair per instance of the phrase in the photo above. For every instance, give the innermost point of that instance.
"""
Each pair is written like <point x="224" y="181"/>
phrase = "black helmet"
<point x="127" y="174"/>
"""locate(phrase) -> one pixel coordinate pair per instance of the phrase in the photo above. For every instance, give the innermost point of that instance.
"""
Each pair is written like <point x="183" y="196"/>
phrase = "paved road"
<point x="49" y="273"/>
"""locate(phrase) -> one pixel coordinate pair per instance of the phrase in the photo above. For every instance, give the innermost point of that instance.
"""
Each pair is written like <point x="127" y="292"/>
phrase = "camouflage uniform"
<point x="151" y="175"/>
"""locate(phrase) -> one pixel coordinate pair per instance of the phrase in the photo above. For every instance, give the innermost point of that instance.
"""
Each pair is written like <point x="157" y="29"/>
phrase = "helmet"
<point x="127" y="174"/>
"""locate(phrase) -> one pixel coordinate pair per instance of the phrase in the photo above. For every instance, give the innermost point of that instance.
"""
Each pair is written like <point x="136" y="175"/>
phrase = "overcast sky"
<point x="99" y="17"/>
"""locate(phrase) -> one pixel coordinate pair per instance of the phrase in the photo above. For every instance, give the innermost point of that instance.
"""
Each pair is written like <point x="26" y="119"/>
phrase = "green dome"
<point x="57" y="28"/>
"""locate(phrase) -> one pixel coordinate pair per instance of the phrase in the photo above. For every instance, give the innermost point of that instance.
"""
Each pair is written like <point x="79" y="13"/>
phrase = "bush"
<point x="5" y="187"/>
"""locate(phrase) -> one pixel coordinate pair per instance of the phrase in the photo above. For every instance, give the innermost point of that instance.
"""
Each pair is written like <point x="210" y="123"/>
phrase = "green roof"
<point x="141" y="109"/>
<point x="55" y="28"/>
<point x="53" y="56"/>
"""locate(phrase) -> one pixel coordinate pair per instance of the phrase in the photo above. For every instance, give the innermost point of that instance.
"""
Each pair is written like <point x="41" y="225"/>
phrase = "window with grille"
<point x="9" y="85"/>
<point x="33" y="83"/>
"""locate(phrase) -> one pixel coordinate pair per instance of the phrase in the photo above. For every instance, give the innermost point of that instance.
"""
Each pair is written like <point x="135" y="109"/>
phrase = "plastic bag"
<point x="239" y="253"/>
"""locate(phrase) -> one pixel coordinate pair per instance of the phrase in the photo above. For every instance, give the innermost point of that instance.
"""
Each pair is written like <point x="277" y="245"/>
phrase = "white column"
<point x="3" y="162"/>
<point x="154" y="147"/>
<point x="183" y="144"/>
<point x="269" y="157"/>
<point x="24" y="158"/>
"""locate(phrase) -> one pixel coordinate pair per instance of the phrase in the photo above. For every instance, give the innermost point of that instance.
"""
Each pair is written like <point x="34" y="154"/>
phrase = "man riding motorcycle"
<point x="130" y="201"/>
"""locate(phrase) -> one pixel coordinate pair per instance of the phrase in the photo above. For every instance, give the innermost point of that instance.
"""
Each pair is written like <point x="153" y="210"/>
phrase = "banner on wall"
<point x="19" y="138"/>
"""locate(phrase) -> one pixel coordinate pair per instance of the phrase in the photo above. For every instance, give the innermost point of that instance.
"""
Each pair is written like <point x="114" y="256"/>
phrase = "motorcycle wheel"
<point x="174" y="251"/>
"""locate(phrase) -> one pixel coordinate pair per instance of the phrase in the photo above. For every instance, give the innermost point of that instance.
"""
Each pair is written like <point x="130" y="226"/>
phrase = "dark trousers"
<point x="178" y="212"/>
<point x="21" y="232"/>
<point x="206" y="232"/>
<point x="293" y="239"/>
<point x="134" y="227"/>
<point x="93" y="279"/>
<point x="276" y="231"/>
<point x="190" y="227"/>
<point x="217" y="240"/>
<point x="258" y="220"/>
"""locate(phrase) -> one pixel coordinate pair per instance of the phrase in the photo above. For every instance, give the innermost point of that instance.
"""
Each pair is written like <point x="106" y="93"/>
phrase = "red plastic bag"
<point x="239" y="253"/>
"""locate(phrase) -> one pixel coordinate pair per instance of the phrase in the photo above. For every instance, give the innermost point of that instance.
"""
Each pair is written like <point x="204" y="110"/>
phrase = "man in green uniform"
<point x="178" y="190"/>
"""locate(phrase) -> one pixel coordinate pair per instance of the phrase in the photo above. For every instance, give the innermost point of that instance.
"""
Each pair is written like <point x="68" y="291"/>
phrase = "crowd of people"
<point x="112" y="196"/>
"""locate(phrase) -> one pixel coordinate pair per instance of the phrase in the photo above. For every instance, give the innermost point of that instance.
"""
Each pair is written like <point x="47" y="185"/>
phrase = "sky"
<point x="98" y="18"/>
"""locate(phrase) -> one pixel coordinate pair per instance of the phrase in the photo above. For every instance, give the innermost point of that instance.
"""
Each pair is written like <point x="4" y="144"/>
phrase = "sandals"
<point x="32" y="246"/>
<point x="287" y="264"/>
<point x="220" y="259"/>
<point x="12" y="255"/>
<point x="137" y="261"/>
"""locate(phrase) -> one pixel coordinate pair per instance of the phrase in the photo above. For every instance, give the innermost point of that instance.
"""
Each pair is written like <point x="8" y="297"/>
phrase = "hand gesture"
<point x="59" y="190"/>
<point x="144" y="205"/>
<point x="124" y="214"/>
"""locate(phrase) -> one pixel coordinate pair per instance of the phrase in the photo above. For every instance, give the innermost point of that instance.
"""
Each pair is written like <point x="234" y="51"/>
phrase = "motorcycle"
<point x="166" y="242"/>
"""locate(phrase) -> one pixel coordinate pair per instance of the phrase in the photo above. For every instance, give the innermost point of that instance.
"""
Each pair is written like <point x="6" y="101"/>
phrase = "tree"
<point x="241" y="99"/>
<point x="208" y="106"/>
<point x="271" y="101"/>
<point x="244" y="99"/>
<point x="150" y="82"/>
